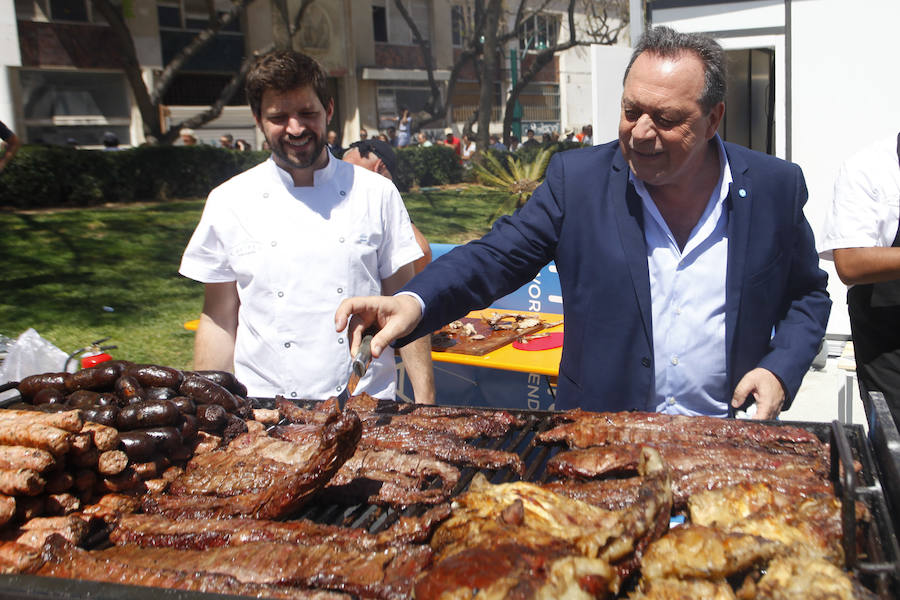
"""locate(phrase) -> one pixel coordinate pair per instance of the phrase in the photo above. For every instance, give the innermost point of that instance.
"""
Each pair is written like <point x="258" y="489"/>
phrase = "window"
<point x="460" y="22"/>
<point x="192" y="15"/>
<point x="395" y="94"/>
<point x="59" y="105"/>
<point x="539" y="32"/>
<point x="389" y="26"/>
<point x="69" y="10"/>
<point x="379" y="23"/>
<point x="179" y="23"/>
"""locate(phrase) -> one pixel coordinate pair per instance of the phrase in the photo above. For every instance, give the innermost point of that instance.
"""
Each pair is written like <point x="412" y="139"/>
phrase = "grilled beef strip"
<point x="258" y="476"/>
<point x="154" y="531"/>
<point x="385" y="574"/>
<point x="63" y="559"/>
<point x="583" y="429"/>
<point x="681" y="458"/>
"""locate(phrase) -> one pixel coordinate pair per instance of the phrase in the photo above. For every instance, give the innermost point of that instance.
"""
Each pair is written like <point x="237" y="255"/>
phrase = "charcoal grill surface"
<point x="877" y="565"/>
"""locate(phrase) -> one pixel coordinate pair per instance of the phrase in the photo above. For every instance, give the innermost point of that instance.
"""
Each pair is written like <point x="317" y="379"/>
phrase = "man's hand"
<point x="766" y="390"/>
<point x="394" y="316"/>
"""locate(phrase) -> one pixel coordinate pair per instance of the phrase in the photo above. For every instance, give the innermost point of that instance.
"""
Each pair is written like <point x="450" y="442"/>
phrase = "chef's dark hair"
<point x="665" y="41"/>
<point x="282" y="71"/>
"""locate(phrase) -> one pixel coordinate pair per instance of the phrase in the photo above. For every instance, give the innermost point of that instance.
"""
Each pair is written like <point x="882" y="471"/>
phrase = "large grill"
<point x="872" y="552"/>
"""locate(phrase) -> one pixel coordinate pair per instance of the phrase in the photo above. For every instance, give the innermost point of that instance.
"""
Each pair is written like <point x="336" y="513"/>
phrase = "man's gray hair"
<point x="664" y="41"/>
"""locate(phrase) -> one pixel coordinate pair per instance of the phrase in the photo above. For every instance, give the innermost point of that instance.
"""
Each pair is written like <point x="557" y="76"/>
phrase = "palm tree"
<point x="519" y="178"/>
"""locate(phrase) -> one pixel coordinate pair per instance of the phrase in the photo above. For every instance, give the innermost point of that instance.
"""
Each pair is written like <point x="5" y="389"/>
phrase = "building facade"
<point x="64" y="80"/>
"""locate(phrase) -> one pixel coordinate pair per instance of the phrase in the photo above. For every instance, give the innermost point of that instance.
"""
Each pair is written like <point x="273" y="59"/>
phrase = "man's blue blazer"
<point x="587" y="217"/>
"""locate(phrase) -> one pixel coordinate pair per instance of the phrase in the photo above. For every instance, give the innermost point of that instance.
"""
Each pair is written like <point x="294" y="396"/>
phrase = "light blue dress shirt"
<point x="687" y="292"/>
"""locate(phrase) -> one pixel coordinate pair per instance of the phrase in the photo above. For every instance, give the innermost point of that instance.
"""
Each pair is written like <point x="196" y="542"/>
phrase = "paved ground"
<point x="821" y="397"/>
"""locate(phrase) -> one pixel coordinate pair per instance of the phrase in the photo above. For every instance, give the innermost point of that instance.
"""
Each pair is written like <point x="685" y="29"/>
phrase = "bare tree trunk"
<point x="490" y="71"/>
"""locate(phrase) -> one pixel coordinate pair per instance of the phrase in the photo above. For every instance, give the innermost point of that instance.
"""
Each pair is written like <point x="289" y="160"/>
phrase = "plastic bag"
<point x="30" y="355"/>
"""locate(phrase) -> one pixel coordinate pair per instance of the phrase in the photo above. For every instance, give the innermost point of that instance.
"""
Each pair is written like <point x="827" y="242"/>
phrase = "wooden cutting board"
<point x="449" y="340"/>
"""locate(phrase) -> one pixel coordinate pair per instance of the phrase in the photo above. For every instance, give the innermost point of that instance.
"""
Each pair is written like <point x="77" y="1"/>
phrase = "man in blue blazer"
<point x="689" y="274"/>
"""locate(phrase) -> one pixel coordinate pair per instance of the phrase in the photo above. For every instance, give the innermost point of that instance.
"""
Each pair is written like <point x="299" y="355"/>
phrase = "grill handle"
<point x="840" y="447"/>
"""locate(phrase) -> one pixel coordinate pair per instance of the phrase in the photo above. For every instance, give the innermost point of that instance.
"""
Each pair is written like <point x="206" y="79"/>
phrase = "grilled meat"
<point x="681" y="458"/>
<point x="804" y="579"/>
<point x="695" y="551"/>
<point x="387" y="573"/>
<point x="677" y="589"/>
<point x="584" y="429"/>
<point x="155" y="531"/>
<point x="258" y="476"/>
<point x="62" y="559"/>
<point x="522" y="540"/>
<point x="393" y="478"/>
<point x="19" y="558"/>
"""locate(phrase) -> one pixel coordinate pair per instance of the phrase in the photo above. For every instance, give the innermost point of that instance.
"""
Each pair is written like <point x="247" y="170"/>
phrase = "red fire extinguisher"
<point x="90" y="355"/>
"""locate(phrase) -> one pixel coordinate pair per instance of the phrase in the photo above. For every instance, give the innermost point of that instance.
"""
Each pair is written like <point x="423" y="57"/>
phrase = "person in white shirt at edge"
<point x="280" y="246"/>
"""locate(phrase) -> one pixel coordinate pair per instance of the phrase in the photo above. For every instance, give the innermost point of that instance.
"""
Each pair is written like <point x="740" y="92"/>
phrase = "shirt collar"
<point x="320" y="176"/>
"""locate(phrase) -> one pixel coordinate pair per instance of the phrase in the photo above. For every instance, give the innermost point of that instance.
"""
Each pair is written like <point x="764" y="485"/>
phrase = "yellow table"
<point x="543" y="362"/>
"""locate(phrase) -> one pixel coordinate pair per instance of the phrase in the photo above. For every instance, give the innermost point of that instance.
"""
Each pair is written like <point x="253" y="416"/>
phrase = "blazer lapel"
<point x="739" y="204"/>
<point x="630" y="222"/>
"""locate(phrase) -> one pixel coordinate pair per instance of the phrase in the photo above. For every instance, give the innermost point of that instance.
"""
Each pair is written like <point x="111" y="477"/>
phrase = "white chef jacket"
<point x="865" y="210"/>
<point x="296" y="253"/>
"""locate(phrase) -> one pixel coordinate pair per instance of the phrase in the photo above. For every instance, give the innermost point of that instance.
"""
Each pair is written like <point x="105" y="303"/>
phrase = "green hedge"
<point x="427" y="166"/>
<point x="57" y="176"/>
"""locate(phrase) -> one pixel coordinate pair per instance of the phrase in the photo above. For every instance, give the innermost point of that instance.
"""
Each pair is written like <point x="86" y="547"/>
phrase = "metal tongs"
<point x="359" y="366"/>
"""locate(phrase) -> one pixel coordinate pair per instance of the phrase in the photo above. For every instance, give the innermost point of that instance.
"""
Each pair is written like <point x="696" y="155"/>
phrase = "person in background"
<point x="378" y="156"/>
<point x="423" y="140"/>
<point x="588" y="137"/>
<point x="451" y="140"/>
<point x="9" y="145"/>
<point x="513" y="143"/>
<point x="468" y="147"/>
<point x="404" y="128"/>
<point x="227" y="141"/>
<point x="243" y="145"/>
<point x="689" y="271"/>
<point x="384" y="137"/>
<point x="530" y="141"/>
<point x="188" y="137"/>
<point x="862" y="237"/>
<point x="496" y="144"/>
<point x="363" y="135"/>
<point x="334" y="145"/>
<point x="279" y="245"/>
<point x="392" y="136"/>
<point x="570" y="135"/>
<point x="110" y="141"/>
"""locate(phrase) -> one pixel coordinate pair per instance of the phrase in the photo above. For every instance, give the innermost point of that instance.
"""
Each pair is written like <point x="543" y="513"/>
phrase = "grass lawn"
<point x="62" y="271"/>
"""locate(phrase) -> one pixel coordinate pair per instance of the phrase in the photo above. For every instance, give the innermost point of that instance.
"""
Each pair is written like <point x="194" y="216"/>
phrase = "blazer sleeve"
<point x="472" y="276"/>
<point x="806" y="304"/>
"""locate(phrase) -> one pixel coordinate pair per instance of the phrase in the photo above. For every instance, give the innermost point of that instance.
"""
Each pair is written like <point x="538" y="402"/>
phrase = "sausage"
<point x="62" y="504"/>
<point x="104" y="437"/>
<point x="167" y="439"/>
<point x="69" y="420"/>
<point x="52" y="439"/>
<point x="151" y="413"/>
<point x="184" y="404"/>
<point x="187" y="426"/>
<point x="226" y="380"/>
<point x="211" y="417"/>
<point x="137" y="445"/>
<point x="31" y="385"/>
<point x="159" y="393"/>
<point x="129" y="390"/>
<point x="101" y="377"/>
<point x="104" y="415"/>
<point x="49" y="396"/>
<point x="83" y="399"/>
<point x="22" y="457"/>
<point x="206" y="391"/>
<point x="108" y="399"/>
<point x="20" y="482"/>
<point x="155" y="375"/>
<point x="112" y="462"/>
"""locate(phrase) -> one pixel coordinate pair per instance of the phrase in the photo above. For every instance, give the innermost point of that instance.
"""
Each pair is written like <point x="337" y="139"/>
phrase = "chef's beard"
<point x="318" y="146"/>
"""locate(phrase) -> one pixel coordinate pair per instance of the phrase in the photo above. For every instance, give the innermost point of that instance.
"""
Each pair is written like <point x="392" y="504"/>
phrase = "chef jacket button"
<point x="281" y="294"/>
<point x="343" y="193"/>
<point x="340" y="340"/>
<point x="674" y="360"/>
<point x="287" y="344"/>
<point x="645" y="362"/>
<point x="293" y="394"/>
<point x="337" y="389"/>
<point x="341" y="240"/>
<point x="340" y="290"/>
<point x="265" y="194"/>
<point x="742" y="193"/>
<point x="274" y="243"/>
<point x="678" y="311"/>
<point x="670" y="400"/>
